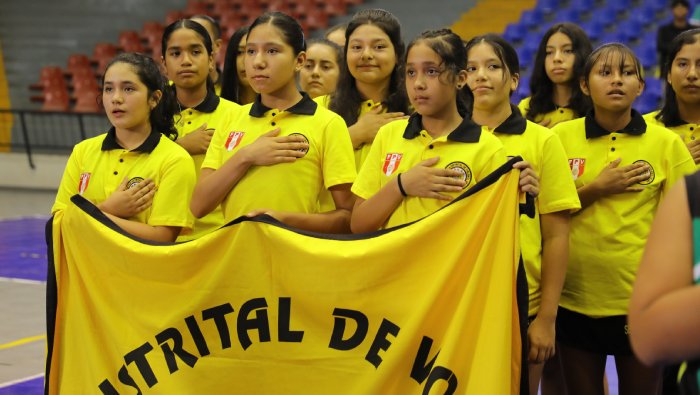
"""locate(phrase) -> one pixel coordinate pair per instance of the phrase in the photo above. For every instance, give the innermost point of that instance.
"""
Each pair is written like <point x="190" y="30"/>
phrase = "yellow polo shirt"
<point x="542" y="148"/>
<point x="291" y="186"/>
<point x="217" y="113"/>
<point x="365" y="107"/>
<point x="561" y="114"/>
<point x="326" y="199"/>
<point x="608" y="237"/>
<point x="402" y="144"/>
<point x="98" y="165"/>
<point x="688" y="131"/>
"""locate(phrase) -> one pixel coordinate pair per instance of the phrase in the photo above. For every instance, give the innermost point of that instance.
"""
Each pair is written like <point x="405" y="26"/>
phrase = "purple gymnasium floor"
<point x="22" y="278"/>
<point x="23" y="249"/>
<point x="23" y="264"/>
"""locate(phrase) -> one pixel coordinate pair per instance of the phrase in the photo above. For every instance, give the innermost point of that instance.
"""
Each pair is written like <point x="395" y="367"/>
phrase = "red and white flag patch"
<point x="234" y="138"/>
<point x="577" y="166"/>
<point x="83" y="183"/>
<point x="391" y="163"/>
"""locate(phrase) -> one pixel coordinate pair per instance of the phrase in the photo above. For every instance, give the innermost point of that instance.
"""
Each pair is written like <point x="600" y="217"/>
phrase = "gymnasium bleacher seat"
<point x="232" y="14"/>
<point x="632" y="22"/>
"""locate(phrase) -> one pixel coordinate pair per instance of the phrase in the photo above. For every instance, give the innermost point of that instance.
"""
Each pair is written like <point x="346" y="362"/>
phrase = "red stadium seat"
<point x="130" y="41"/>
<point x="56" y="100"/>
<point x="173" y="16"/>
<point x="78" y="62"/>
<point x="86" y="102"/>
<point x="50" y="77"/>
<point x="315" y="19"/>
<point x="152" y="32"/>
<point x="280" y="5"/>
<point x="85" y="83"/>
<point x="196" y="7"/>
<point x="103" y="54"/>
<point x="334" y="8"/>
<point x="222" y="7"/>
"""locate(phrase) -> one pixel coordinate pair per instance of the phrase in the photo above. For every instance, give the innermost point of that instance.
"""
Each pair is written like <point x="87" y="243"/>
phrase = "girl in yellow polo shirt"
<point x="681" y="109"/>
<point x="622" y="168"/>
<point x="134" y="173"/>
<point x="418" y="165"/>
<point x="492" y="76"/>
<point x="555" y="92"/>
<point x="370" y="91"/>
<point x="319" y="76"/>
<point x="188" y="60"/>
<point x="285" y="149"/>
<point x="234" y="84"/>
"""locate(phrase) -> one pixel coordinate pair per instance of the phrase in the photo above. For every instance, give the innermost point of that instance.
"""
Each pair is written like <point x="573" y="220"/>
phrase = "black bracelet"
<point x="403" y="191"/>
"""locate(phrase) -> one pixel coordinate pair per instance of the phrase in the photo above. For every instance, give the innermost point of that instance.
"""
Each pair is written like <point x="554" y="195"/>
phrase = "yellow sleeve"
<point x="214" y="157"/>
<point x="69" y="181"/>
<point x="338" y="158"/>
<point x="171" y="203"/>
<point x="368" y="181"/>
<point x="524" y="105"/>
<point x="680" y="162"/>
<point x="557" y="188"/>
<point x="323" y="101"/>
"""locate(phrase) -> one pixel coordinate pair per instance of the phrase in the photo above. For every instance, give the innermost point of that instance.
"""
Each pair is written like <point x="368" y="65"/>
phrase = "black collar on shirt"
<point x="636" y="127"/>
<point x="514" y="124"/>
<point x="466" y="132"/>
<point x="305" y="106"/>
<point x="110" y="142"/>
<point x="208" y="105"/>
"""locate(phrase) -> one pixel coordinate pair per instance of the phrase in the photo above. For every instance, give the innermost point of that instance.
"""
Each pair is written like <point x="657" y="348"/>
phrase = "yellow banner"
<point x="257" y="308"/>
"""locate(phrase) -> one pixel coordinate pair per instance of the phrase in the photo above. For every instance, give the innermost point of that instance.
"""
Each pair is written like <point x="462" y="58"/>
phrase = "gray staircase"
<point x="38" y="33"/>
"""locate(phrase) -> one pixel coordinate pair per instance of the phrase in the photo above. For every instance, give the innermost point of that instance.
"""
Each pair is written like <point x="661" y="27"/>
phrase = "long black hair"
<point x="347" y="98"/>
<point x="669" y="114"/>
<point x="504" y="52"/>
<point x="162" y="115"/>
<point x="605" y="52"/>
<point x="448" y="46"/>
<point x="290" y="29"/>
<point x="197" y="28"/>
<point x="230" y="84"/>
<point x="542" y="88"/>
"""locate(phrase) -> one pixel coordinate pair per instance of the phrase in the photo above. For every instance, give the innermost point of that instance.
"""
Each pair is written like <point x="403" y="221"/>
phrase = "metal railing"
<point x="33" y="132"/>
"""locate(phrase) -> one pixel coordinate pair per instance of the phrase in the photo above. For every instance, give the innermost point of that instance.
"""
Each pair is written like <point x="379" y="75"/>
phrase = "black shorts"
<point x="607" y="335"/>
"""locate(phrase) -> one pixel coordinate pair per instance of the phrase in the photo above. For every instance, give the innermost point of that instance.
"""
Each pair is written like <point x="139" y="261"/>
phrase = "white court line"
<point x="13" y="382"/>
<point x="21" y="281"/>
<point x="33" y="216"/>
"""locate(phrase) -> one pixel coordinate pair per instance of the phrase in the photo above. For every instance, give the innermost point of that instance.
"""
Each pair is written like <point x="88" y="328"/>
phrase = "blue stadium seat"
<point x="645" y="14"/>
<point x="514" y="32"/>
<point x="593" y="28"/>
<point x="647" y="103"/>
<point x="654" y="87"/>
<point x="547" y="6"/>
<point x="620" y="5"/>
<point x="647" y="55"/>
<point x="531" y="18"/>
<point x="582" y="6"/>
<point x="523" y="90"/>
<point x="630" y="28"/>
<point x="526" y="55"/>
<point x="607" y="17"/>
<point x="655" y="5"/>
<point x="567" y="15"/>
<point x="612" y="37"/>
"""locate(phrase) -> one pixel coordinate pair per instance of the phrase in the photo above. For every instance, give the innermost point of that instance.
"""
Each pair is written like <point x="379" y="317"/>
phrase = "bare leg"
<point x="553" y="376"/>
<point x="535" y="372"/>
<point x="636" y="378"/>
<point x="583" y="371"/>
